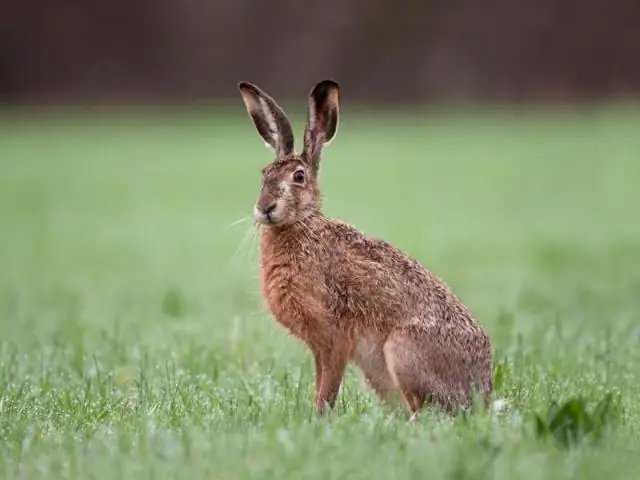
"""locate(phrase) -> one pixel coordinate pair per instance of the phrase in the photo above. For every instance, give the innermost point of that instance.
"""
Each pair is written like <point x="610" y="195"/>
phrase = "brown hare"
<point x="350" y="297"/>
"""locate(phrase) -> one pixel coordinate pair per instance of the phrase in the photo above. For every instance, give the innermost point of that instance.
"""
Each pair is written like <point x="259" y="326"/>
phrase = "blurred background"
<point x="491" y="140"/>
<point x="391" y="52"/>
<point x="496" y="141"/>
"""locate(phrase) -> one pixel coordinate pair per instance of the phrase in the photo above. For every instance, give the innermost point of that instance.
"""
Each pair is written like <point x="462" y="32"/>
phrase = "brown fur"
<point x="351" y="297"/>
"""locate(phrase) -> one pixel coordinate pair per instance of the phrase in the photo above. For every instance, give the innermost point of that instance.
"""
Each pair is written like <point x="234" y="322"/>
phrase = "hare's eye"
<point x="298" y="176"/>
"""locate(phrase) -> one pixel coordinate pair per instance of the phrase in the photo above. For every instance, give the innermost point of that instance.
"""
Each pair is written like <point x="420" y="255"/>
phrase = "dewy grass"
<point x="133" y="341"/>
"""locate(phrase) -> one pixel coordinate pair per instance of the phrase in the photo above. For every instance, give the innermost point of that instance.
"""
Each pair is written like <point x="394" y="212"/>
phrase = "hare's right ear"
<point x="322" y="120"/>
<point x="270" y="121"/>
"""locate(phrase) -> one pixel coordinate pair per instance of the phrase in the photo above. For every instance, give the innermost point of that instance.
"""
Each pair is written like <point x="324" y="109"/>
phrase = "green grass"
<point x="133" y="341"/>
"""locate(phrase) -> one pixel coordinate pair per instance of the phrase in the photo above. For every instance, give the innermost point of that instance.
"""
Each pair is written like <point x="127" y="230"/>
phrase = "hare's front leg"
<point x="333" y="363"/>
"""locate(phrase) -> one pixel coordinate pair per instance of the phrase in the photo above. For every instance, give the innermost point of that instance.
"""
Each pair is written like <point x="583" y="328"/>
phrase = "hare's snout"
<point x="267" y="215"/>
<point x="270" y="207"/>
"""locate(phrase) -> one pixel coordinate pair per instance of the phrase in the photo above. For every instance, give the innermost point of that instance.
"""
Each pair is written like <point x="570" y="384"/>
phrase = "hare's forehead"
<point x="282" y="166"/>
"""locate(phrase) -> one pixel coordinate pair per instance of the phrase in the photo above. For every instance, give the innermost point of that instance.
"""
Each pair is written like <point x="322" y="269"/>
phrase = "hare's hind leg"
<point x="369" y="358"/>
<point x="407" y="358"/>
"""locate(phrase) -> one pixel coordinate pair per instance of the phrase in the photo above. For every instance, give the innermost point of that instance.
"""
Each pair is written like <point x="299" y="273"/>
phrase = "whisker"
<point x="253" y="243"/>
<point x="240" y="249"/>
<point x="305" y="228"/>
<point x="239" y="221"/>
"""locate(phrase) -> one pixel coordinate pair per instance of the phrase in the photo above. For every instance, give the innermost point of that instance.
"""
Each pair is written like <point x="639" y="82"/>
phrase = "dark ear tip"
<point x="250" y="87"/>
<point x="331" y="81"/>
<point x="327" y="84"/>
<point x="324" y="89"/>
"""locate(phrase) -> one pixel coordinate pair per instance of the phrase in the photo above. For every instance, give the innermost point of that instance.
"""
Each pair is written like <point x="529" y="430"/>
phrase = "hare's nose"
<point x="269" y="210"/>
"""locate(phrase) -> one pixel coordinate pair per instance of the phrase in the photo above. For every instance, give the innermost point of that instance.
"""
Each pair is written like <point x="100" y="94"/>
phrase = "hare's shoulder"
<point x="376" y="261"/>
<point x="347" y="239"/>
<point x="370" y="280"/>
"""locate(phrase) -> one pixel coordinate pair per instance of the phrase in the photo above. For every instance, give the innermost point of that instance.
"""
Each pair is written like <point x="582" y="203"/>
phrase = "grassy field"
<point x="134" y="344"/>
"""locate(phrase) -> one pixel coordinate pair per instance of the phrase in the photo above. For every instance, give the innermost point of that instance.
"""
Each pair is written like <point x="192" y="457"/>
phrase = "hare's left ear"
<point x="322" y="120"/>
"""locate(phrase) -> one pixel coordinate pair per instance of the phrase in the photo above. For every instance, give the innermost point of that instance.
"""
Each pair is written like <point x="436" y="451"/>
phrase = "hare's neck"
<point x="280" y="244"/>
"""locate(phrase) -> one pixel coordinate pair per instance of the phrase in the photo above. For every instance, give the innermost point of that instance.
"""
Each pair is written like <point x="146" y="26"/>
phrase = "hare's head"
<point x="289" y="191"/>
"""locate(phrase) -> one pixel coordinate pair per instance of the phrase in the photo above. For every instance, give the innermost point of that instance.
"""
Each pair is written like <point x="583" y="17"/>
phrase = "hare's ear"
<point x="270" y="121"/>
<point x="322" y="120"/>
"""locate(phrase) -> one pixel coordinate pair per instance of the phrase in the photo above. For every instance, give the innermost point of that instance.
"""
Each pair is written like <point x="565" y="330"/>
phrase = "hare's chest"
<point x="279" y="293"/>
<point x="294" y="298"/>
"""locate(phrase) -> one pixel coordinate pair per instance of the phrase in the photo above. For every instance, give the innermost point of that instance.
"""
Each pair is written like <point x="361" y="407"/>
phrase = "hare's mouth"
<point x="270" y="215"/>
